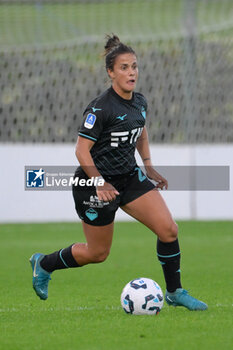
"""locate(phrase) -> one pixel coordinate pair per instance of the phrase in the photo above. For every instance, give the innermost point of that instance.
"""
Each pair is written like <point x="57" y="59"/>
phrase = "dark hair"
<point x="113" y="48"/>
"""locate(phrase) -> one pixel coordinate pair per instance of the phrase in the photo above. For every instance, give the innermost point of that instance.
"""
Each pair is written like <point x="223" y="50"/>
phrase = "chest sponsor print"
<point x="125" y="136"/>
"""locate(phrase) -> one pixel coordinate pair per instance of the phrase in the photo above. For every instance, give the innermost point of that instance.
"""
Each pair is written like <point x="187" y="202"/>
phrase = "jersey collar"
<point x="121" y="99"/>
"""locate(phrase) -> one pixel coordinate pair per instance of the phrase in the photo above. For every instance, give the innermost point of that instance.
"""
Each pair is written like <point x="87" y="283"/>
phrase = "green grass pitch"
<point x="83" y="310"/>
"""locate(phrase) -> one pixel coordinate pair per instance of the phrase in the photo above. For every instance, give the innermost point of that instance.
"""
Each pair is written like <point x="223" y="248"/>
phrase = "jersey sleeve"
<point x="144" y="102"/>
<point x="92" y="124"/>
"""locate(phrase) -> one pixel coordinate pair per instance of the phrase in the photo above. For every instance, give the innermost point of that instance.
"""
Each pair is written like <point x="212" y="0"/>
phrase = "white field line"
<point x="83" y="308"/>
<point x="78" y="308"/>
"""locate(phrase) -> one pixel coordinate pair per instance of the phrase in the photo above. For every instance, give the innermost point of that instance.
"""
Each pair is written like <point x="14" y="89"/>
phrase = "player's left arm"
<point x="144" y="151"/>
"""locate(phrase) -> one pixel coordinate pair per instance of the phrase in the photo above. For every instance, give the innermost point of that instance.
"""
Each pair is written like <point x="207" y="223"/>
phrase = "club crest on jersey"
<point x="90" y="121"/>
<point x="143" y="112"/>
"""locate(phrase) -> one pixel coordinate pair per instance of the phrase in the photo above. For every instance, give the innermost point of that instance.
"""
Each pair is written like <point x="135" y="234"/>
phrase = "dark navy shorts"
<point x="99" y="213"/>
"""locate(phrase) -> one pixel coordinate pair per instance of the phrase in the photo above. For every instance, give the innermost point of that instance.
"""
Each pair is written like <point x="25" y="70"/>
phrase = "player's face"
<point x="124" y="75"/>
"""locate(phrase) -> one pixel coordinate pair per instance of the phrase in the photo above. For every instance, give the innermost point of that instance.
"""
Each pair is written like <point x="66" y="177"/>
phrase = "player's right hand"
<point x="107" y="192"/>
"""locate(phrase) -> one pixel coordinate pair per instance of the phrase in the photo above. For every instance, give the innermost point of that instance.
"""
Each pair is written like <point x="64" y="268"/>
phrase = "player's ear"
<point x="111" y="73"/>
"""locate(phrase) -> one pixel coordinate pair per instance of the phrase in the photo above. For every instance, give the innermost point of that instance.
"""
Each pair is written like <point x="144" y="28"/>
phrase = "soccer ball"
<point x="142" y="296"/>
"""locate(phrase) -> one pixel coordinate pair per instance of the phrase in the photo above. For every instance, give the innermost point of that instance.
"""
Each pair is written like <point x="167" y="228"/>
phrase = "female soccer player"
<point x="113" y="126"/>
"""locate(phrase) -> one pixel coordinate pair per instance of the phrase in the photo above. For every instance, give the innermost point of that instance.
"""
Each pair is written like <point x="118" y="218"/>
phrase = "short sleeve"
<point x="92" y="124"/>
<point x="146" y="104"/>
<point x="143" y="103"/>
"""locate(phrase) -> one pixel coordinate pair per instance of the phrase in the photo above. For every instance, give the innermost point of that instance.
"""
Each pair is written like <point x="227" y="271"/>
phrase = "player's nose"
<point x="132" y="72"/>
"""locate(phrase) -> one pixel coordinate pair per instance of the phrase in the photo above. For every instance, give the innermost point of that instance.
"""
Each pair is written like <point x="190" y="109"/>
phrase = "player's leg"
<point x="95" y="250"/>
<point x="97" y="219"/>
<point x="97" y="247"/>
<point x="151" y="210"/>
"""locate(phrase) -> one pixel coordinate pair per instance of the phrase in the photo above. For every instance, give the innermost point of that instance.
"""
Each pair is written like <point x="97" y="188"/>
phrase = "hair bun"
<point x="112" y="41"/>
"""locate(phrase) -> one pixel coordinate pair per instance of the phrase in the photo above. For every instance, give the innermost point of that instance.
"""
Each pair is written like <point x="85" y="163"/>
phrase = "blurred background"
<point x="51" y="67"/>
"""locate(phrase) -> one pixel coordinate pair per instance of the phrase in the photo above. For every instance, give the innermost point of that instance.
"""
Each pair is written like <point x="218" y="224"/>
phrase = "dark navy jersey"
<point x="114" y="124"/>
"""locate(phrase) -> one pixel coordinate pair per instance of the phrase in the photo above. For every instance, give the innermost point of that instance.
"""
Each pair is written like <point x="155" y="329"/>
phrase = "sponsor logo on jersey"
<point x="123" y="136"/>
<point x="117" y="137"/>
<point x="96" y="109"/>
<point x="121" y="117"/>
<point x="90" y="121"/>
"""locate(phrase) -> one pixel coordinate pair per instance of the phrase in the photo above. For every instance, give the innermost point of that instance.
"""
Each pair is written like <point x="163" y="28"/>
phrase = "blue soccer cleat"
<point x="181" y="298"/>
<point x="40" y="277"/>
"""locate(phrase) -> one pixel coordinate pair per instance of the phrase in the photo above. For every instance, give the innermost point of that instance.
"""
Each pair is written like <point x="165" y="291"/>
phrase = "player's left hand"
<point x="154" y="175"/>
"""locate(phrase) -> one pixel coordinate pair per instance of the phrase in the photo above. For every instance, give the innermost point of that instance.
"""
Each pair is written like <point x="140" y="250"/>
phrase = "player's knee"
<point x="169" y="232"/>
<point x="100" y="256"/>
<point x="172" y="232"/>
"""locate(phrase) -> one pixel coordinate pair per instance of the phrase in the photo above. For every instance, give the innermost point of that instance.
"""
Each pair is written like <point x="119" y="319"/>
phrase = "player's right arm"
<point x="83" y="147"/>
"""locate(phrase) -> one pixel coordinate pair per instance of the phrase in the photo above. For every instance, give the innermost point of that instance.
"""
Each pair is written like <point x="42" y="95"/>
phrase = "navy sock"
<point x="61" y="259"/>
<point x="169" y="258"/>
